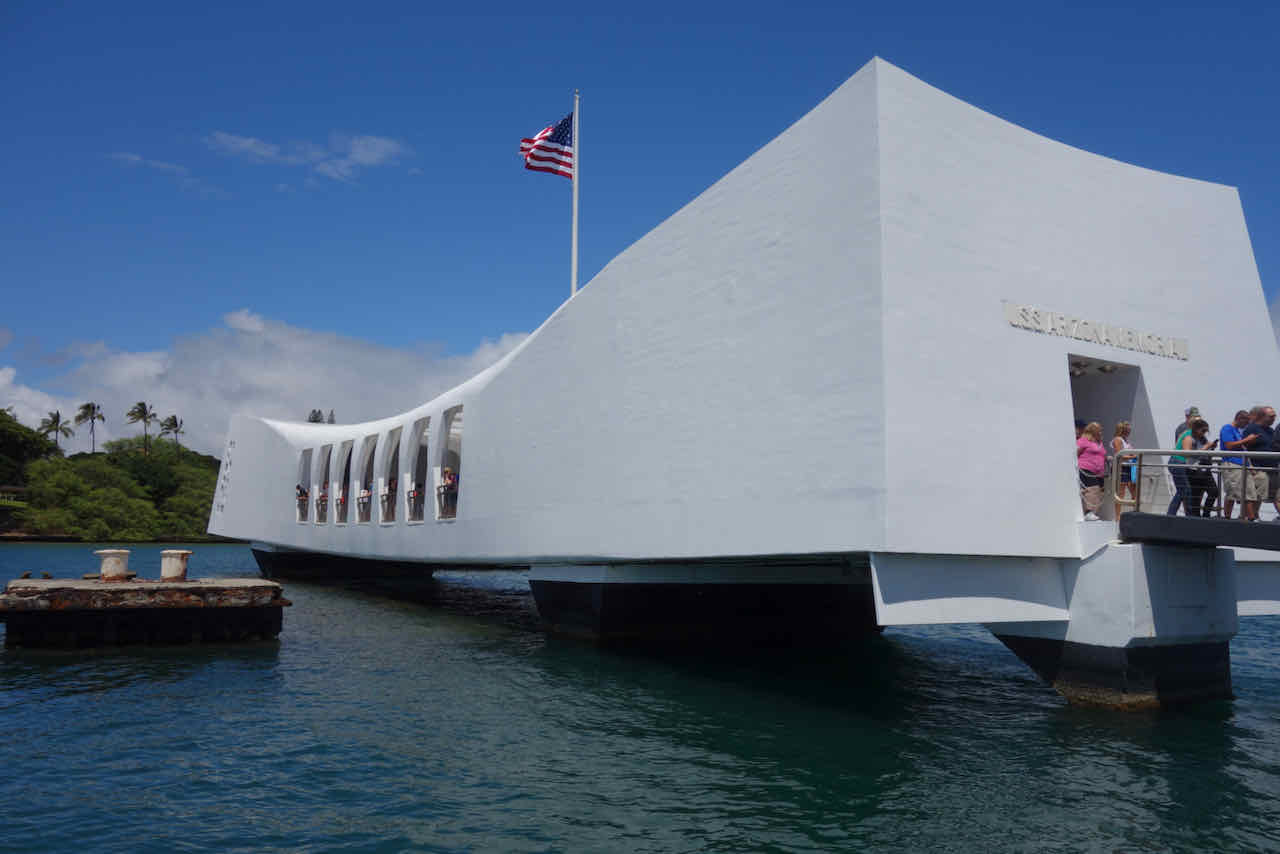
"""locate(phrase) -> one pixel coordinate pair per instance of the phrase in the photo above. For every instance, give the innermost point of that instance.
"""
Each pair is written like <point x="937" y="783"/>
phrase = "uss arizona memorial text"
<point x="1054" y="323"/>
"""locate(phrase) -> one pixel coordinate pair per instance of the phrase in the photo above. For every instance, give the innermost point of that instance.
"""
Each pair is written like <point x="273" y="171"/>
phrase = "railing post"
<point x="1137" y="489"/>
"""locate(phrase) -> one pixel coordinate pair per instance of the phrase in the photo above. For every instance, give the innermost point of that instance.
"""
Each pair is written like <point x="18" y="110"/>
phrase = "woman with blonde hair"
<point x="1126" y="469"/>
<point x="1091" y="457"/>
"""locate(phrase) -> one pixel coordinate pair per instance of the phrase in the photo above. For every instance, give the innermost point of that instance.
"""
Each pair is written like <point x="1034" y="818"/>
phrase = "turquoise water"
<point x="453" y="725"/>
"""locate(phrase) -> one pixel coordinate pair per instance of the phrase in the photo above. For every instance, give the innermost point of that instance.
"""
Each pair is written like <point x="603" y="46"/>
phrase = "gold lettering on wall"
<point x="1082" y="329"/>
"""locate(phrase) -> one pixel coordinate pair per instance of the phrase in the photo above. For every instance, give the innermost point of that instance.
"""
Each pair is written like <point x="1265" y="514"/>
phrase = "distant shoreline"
<point x="63" y="538"/>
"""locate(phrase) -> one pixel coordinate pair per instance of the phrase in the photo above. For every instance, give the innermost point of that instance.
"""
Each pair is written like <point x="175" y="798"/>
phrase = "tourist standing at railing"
<point x="1178" y="472"/>
<point x="1126" y="469"/>
<point x="1231" y="438"/>
<point x="1258" y="436"/>
<point x="1091" y="457"/>
<point x="1274" y="477"/>
<point x="1202" y="496"/>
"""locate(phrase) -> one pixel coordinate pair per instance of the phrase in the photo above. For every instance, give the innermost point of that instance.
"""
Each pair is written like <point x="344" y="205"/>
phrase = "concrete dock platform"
<point x="66" y="613"/>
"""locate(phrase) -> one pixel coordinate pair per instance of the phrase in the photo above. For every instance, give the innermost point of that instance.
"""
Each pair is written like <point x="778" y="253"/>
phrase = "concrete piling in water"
<point x="115" y="608"/>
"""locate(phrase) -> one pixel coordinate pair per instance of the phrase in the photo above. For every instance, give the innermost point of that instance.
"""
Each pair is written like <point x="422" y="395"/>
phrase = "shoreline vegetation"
<point x="132" y="490"/>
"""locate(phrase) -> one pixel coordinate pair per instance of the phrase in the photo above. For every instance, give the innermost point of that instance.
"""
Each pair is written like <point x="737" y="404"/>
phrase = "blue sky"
<point x="344" y="178"/>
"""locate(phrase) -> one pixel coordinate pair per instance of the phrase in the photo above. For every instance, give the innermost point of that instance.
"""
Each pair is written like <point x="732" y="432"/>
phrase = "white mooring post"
<point x="115" y="564"/>
<point x="173" y="564"/>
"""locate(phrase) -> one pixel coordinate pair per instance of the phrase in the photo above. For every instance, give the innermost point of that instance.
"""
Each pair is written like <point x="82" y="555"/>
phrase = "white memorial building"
<point x="836" y="390"/>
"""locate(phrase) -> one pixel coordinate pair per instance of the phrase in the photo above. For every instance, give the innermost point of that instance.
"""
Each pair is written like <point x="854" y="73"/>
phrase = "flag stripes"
<point x="551" y="149"/>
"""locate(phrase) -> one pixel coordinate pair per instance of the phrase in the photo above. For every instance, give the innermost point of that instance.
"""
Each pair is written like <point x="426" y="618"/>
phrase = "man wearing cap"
<point x="1258" y="436"/>
<point x="1192" y="413"/>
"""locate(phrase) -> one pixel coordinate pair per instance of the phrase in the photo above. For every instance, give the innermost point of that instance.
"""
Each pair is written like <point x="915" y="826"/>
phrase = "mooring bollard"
<point x="173" y="564"/>
<point x="115" y="564"/>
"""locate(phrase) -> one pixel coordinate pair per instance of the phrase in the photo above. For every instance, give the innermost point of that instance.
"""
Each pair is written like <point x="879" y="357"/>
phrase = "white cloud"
<point x="369" y="150"/>
<point x="246" y="146"/>
<point x="132" y="159"/>
<point x="183" y="175"/>
<point x="245" y="321"/>
<point x="29" y="404"/>
<point x="341" y="160"/>
<point x="249" y="364"/>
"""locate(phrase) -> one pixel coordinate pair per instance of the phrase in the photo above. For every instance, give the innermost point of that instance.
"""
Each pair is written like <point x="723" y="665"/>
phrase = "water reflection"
<point x="52" y="673"/>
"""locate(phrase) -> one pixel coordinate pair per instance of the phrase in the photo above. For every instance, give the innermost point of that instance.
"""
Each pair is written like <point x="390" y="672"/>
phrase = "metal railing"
<point x="1152" y="459"/>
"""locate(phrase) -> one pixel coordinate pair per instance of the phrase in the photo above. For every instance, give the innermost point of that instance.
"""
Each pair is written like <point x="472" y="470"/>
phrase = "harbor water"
<point x="449" y="722"/>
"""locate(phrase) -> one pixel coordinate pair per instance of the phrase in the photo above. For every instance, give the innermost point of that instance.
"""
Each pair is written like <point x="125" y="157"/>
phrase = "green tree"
<point x="315" y="416"/>
<point x="19" y="445"/>
<point x="53" y="423"/>
<point x="172" y="426"/>
<point x="119" y="495"/>
<point x="91" y="413"/>
<point x="142" y="412"/>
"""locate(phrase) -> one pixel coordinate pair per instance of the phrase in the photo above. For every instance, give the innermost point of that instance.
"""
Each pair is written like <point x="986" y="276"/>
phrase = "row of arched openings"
<point x="383" y="490"/>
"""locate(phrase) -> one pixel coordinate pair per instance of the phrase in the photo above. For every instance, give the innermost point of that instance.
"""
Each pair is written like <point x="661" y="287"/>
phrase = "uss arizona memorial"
<point x="834" y="391"/>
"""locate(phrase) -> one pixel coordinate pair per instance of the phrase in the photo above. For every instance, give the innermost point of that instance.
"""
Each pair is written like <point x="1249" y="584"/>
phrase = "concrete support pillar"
<point x="770" y="603"/>
<point x="115" y="564"/>
<point x="173" y="564"/>
<point x="1149" y="625"/>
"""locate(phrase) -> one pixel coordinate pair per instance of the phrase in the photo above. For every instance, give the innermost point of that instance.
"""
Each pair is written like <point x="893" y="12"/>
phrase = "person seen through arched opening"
<point x="1202" y="491"/>
<point x="449" y="492"/>
<point x="1091" y="457"/>
<point x="1126" y="469"/>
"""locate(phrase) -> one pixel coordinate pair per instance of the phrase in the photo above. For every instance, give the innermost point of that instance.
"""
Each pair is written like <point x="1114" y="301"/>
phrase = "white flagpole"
<point x="577" y="165"/>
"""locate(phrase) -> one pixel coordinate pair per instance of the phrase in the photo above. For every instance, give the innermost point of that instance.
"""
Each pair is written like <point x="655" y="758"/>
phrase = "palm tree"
<point x="172" y="426"/>
<point x="143" y="412"/>
<point x="53" y="423"/>
<point x="91" y="412"/>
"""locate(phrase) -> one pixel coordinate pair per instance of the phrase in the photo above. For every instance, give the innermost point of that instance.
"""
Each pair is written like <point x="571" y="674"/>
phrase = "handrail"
<point x="1140" y="455"/>
<point x="1168" y="452"/>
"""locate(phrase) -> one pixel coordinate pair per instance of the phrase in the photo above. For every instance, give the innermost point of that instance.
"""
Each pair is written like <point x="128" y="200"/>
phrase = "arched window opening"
<point x="421" y="462"/>
<point x="302" y="492"/>
<point x="364" y="500"/>
<point x="450" y="478"/>
<point x="390" y="483"/>
<point x="322" y="498"/>
<point x="343" y="489"/>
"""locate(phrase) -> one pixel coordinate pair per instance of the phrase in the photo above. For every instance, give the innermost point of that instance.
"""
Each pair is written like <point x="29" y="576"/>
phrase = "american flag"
<point x="551" y="150"/>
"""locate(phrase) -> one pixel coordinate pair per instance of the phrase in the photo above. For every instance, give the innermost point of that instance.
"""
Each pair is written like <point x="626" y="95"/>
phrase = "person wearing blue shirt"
<point x="1230" y="438"/>
<point x="1258" y="436"/>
